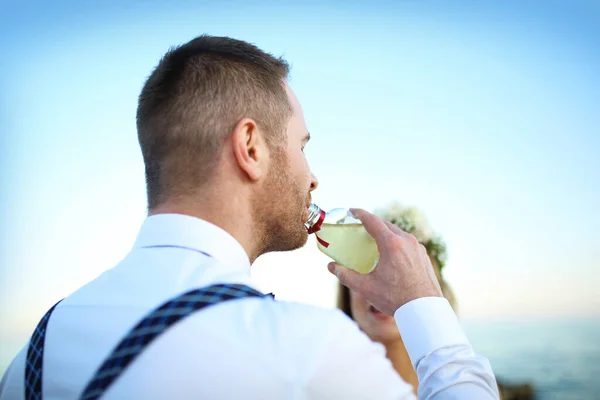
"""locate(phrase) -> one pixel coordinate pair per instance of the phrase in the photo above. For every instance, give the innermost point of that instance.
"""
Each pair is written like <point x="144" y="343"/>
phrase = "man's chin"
<point x="302" y="241"/>
<point x="298" y="242"/>
<point x="292" y="242"/>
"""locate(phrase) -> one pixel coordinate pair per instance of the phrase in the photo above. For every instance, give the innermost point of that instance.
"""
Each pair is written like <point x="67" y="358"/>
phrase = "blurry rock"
<point x="516" y="392"/>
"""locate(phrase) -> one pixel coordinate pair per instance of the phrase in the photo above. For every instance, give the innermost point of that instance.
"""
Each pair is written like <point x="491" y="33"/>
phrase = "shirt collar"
<point x="193" y="233"/>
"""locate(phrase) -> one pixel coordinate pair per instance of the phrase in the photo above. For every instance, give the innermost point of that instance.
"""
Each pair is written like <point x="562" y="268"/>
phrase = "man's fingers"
<point x="374" y="225"/>
<point x="395" y="229"/>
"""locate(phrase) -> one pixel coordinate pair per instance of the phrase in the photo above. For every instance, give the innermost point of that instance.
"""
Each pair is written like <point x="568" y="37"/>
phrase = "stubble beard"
<point x="279" y="210"/>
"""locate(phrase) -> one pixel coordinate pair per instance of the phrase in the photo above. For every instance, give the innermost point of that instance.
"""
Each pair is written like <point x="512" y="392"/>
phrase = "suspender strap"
<point x="148" y="329"/>
<point x="35" y="358"/>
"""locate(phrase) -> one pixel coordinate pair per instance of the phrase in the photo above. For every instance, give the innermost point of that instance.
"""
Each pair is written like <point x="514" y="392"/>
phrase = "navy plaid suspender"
<point x="35" y="358"/>
<point x="136" y="340"/>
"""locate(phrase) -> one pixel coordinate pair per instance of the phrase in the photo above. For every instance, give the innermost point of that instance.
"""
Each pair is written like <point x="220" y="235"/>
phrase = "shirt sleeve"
<point x="446" y="365"/>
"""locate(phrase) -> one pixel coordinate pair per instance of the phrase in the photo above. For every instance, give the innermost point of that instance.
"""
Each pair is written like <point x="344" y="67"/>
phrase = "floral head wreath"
<point x="411" y="220"/>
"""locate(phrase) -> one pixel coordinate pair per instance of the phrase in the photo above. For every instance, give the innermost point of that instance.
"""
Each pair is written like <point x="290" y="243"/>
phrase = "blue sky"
<point x="482" y="114"/>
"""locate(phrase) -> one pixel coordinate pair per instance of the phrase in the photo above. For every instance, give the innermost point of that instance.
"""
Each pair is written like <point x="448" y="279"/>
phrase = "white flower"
<point x="409" y="219"/>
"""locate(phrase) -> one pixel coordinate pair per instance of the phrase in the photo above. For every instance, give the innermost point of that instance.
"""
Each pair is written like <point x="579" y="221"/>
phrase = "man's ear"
<point x="249" y="148"/>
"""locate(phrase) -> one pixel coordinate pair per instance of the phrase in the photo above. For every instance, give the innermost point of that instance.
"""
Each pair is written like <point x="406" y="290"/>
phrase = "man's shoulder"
<point x="309" y="317"/>
<point x="282" y="337"/>
<point x="264" y="326"/>
<point x="289" y="308"/>
<point x="280" y="315"/>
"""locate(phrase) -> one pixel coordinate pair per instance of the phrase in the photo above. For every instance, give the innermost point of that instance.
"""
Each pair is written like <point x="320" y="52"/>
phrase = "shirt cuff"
<point x="428" y="324"/>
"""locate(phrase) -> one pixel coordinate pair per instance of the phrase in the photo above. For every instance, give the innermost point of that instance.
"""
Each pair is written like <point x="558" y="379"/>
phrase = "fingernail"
<point x="331" y="268"/>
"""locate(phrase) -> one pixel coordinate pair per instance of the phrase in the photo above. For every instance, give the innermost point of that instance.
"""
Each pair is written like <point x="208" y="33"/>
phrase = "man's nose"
<point x="314" y="182"/>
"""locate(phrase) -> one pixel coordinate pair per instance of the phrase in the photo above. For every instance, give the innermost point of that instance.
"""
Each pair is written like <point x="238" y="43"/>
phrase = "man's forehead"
<point x="294" y="102"/>
<point x="297" y="111"/>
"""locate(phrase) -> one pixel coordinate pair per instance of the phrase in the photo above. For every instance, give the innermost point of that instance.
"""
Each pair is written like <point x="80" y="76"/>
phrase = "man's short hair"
<point x="192" y="101"/>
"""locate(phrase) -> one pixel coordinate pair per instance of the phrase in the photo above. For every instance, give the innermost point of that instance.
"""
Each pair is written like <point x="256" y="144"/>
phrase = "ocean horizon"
<point x="559" y="356"/>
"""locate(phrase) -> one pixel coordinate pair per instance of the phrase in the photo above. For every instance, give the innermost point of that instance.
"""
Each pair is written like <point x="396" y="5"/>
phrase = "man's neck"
<point x="230" y="217"/>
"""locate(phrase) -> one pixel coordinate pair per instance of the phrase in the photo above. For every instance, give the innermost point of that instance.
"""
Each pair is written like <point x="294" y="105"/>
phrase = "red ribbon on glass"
<point x="322" y="242"/>
<point x="317" y="226"/>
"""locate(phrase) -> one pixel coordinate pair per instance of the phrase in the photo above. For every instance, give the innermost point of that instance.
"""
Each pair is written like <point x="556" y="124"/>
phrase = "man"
<point x="222" y="136"/>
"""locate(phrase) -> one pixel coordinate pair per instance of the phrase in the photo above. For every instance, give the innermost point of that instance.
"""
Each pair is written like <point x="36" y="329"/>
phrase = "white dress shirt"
<point x="254" y="348"/>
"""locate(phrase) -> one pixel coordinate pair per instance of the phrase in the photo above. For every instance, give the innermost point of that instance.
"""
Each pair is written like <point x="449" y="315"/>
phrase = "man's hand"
<point x="404" y="271"/>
